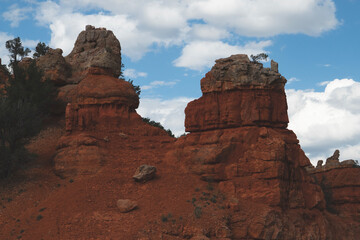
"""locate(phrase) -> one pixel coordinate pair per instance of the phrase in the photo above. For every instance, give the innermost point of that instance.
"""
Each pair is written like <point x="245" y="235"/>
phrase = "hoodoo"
<point x="239" y="138"/>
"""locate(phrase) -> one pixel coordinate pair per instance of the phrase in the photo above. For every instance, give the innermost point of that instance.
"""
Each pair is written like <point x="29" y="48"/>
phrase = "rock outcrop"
<point x="54" y="66"/>
<point x="96" y="52"/>
<point x="97" y="101"/>
<point x="340" y="183"/>
<point x="95" y="48"/>
<point x="238" y="92"/>
<point x="238" y="138"/>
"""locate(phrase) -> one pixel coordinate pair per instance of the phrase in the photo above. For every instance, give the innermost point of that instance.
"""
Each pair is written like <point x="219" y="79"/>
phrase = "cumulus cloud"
<point x="15" y="15"/>
<point x="144" y="25"/>
<point x="200" y="54"/>
<point x="328" y="120"/>
<point x="156" y="84"/>
<point x="264" y="18"/>
<point x="132" y="73"/>
<point x="170" y="113"/>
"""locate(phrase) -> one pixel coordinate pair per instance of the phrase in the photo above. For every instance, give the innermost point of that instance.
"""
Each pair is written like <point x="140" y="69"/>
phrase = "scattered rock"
<point x="106" y="139"/>
<point x="126" y="205"/>
<point x="144" y="173"/>
<point x="123" y="135"/>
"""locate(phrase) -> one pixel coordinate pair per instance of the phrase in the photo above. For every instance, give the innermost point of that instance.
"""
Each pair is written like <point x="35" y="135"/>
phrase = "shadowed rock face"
<point x="238" y="92"/>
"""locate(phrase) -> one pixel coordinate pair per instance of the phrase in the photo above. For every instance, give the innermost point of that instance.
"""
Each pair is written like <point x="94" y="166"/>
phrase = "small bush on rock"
<point x="157" y="124"/>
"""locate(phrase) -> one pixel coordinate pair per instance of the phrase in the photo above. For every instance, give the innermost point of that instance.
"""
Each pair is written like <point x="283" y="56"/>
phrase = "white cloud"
<point x="293" y="79"/>
<point x="132" y="73"/>
<point x="264" y="18"/>
<point x="200" y="54"/>
<point x="156" y="84"/>
<point x="144" y="25"/>
<point x="328" y="120"/>
<point x="15" y="15"/>
<point x="4" y="54"/>
<point x="170" y="113"/>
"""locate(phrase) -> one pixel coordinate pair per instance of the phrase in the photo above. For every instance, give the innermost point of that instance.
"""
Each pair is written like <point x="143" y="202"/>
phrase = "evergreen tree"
<point x="40" y="50"/>
<point x="17" y="51"/>
<point x="24" y="104"/>
<point x="259" y="57"/>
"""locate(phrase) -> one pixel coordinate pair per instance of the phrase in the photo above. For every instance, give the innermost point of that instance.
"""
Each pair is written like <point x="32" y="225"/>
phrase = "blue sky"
<point x="168" y="46"/>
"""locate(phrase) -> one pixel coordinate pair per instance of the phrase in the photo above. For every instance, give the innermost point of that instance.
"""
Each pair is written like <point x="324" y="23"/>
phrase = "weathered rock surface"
<point x="102" y="101"/>
<point x="54" y="66"/>
<point x="126" y="205"/>
<point x="238" y="138"/>
<point x="144" y="173"/>
<point x="95" y="48"/>
<point x="97" y="101"/>
<point x="96" y="52"/>
<point x="238" y="92"/>
<point x="77" y="155"/>
<point x="340" y="182"/>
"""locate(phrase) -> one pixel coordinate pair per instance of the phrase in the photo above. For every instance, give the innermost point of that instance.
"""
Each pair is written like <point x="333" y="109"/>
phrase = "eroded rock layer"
<point x="238" y="138"/>
<point x="238" y="92"/>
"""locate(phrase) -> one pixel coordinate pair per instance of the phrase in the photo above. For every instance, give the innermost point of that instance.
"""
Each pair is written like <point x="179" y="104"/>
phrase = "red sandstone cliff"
<point x="239" y="173"/>
<point x="238" y="138"/>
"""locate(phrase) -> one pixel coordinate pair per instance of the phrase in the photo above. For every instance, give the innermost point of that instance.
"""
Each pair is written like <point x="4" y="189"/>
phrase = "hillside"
<point x="238" y="174"/>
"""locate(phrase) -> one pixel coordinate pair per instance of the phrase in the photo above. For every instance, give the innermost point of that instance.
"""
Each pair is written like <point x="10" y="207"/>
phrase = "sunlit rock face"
<point x="238" y="92"/>
<point x="239" y="139"/>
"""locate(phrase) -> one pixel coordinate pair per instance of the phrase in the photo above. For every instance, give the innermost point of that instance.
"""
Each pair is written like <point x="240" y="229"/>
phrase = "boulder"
<point x="126" y="205"/>
<point x="144" y="173"/>
<point x="54" y="67"/>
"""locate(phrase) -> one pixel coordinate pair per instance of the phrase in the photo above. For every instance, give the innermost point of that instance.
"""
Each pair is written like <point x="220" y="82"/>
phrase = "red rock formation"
<point x="96" y="52"/>
<point x="54" y="66"/>
<point x="95" y="48"/>
<point x="238" y="137"/>
<point x="340" y="183"/>
<point x="98" y="102"/>
<point x="237" y="92"/>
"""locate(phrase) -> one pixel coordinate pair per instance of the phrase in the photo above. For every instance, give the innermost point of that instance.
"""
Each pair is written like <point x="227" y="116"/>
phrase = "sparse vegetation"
<point x="157" y="124"/>
<point x="17" y="51"/>
<point x="39" y="217"/>
<point x="24" y="104"/>
<point x="168" y="217"/>
<point x="40" y="50"/>
<point x="136" y="87"/>
<point x="259" y="57"/>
